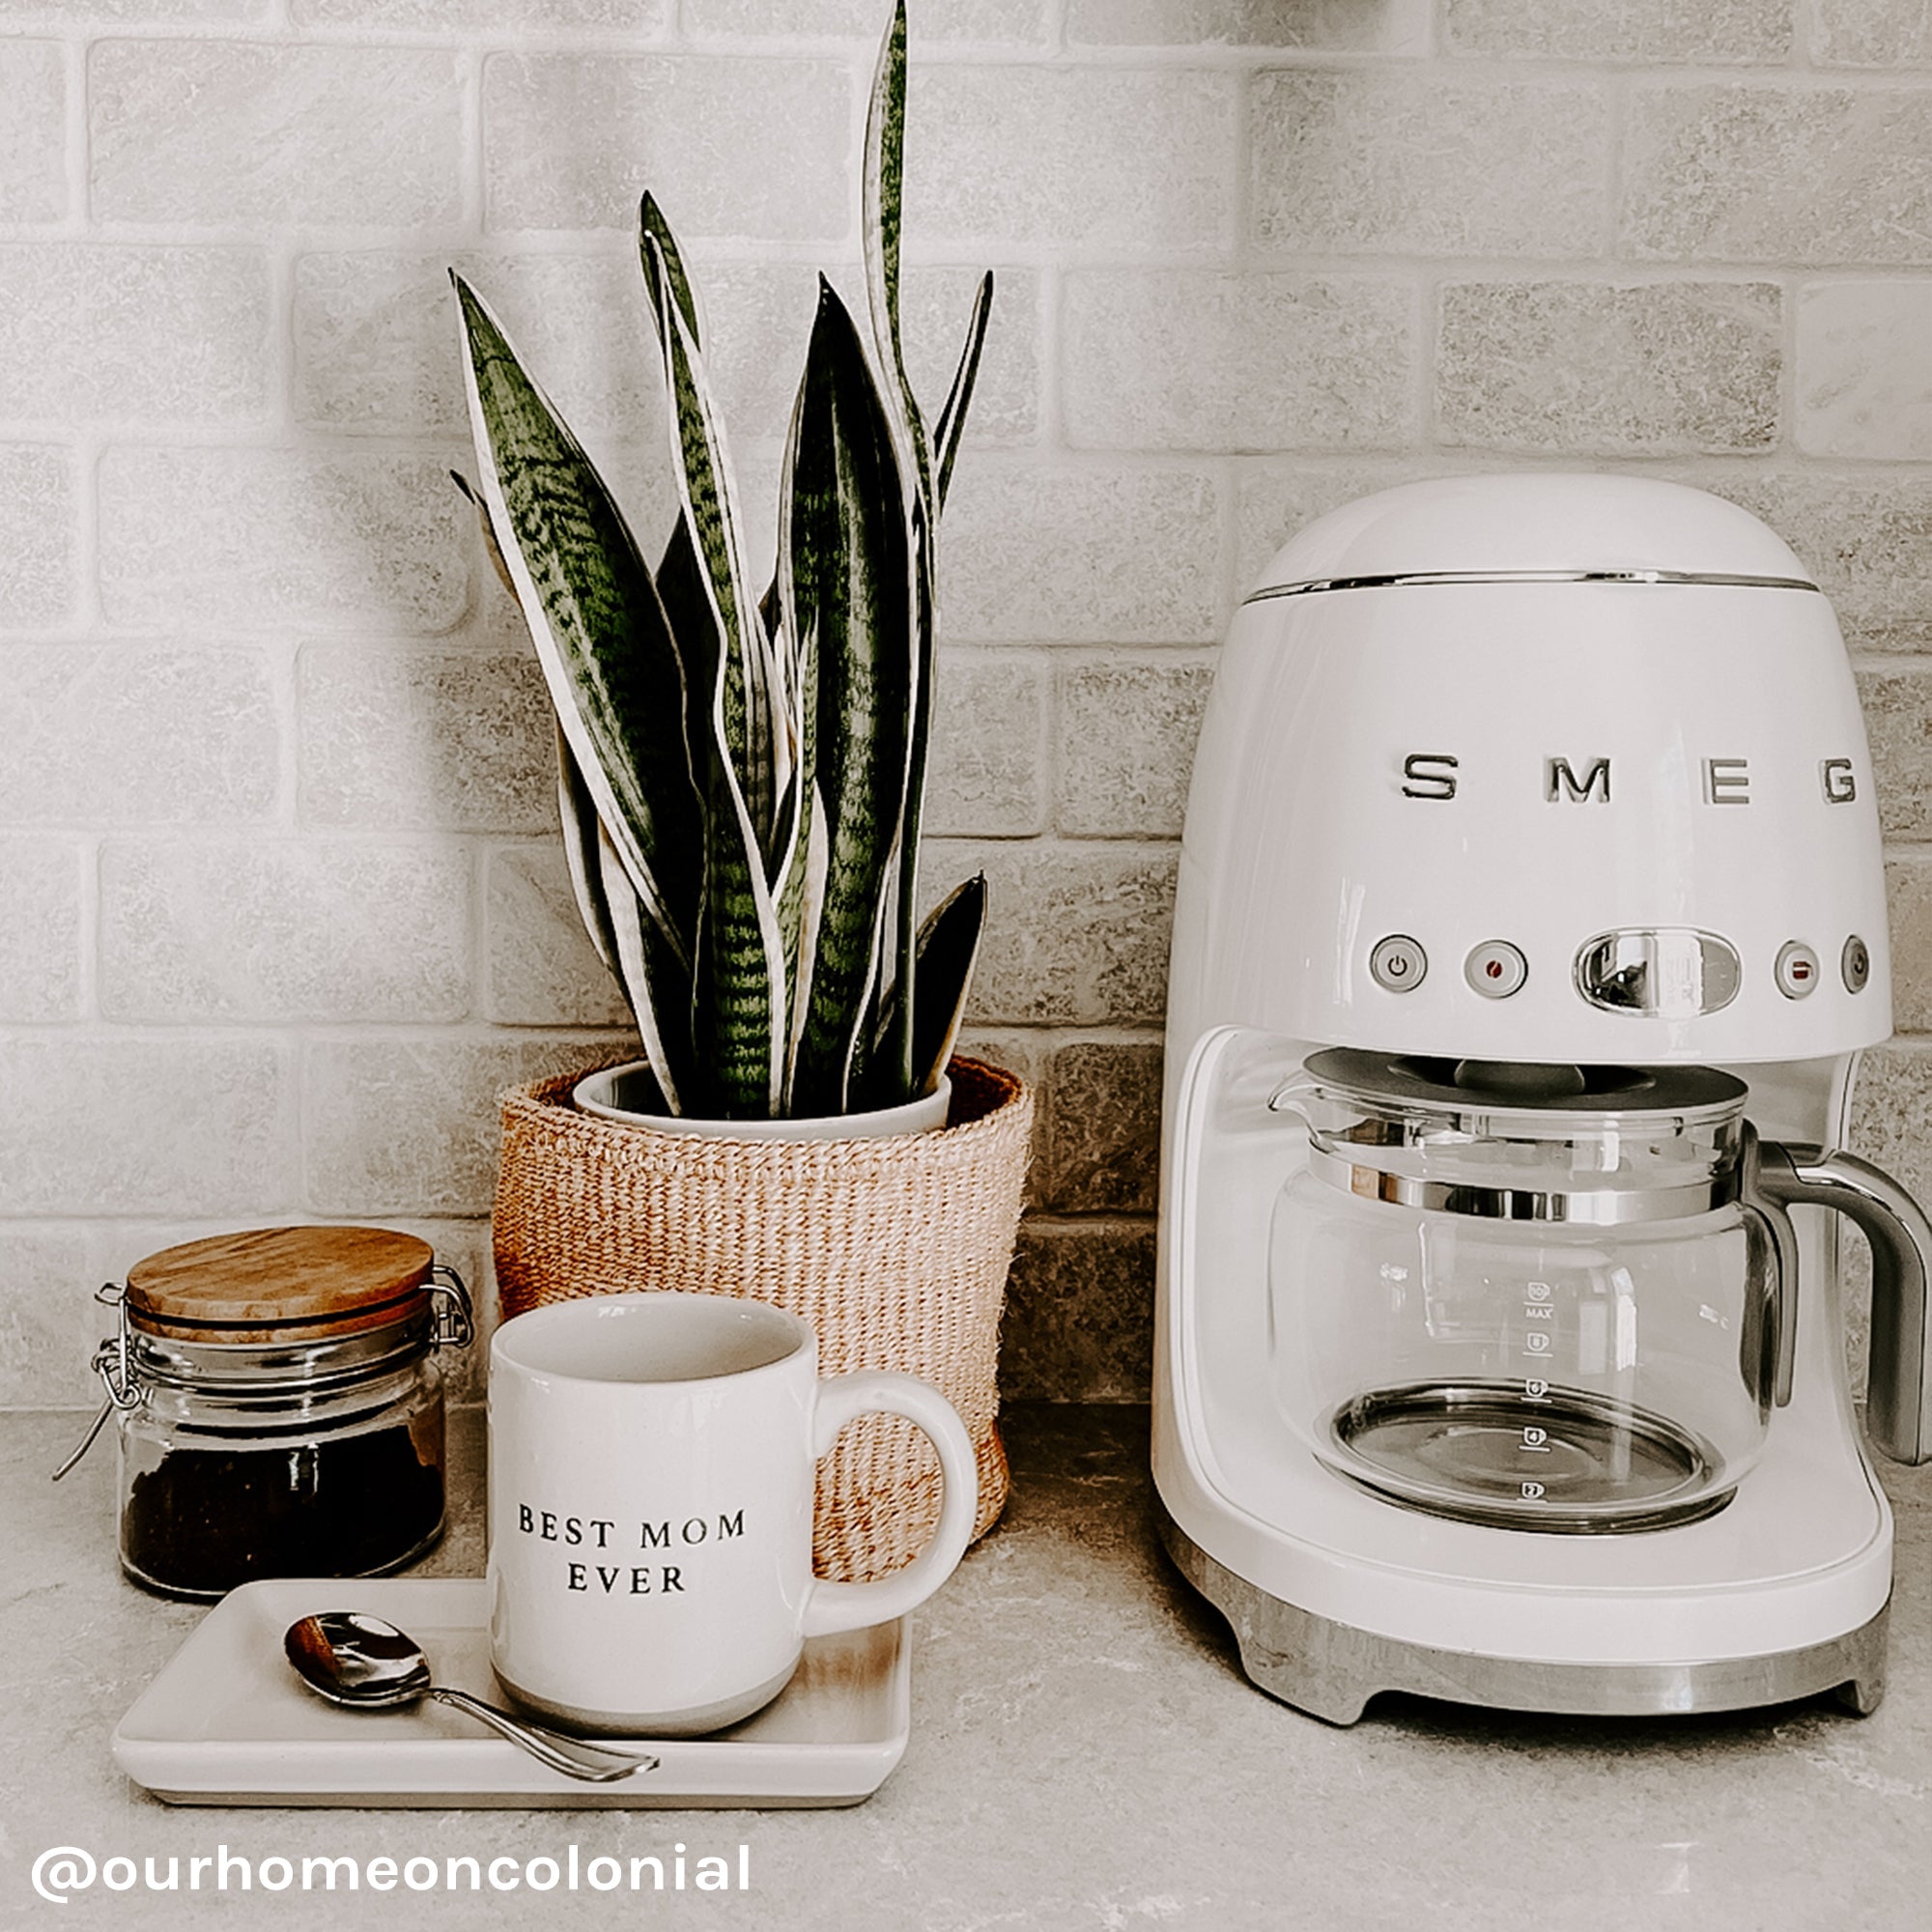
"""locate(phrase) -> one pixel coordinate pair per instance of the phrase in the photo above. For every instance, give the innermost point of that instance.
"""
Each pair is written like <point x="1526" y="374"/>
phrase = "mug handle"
<point x="831" y="1607"/>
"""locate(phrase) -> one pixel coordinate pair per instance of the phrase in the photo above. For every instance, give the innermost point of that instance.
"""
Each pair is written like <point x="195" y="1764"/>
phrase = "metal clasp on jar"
<point x="455" y="1325"/>
<point x="113" y="1362"/>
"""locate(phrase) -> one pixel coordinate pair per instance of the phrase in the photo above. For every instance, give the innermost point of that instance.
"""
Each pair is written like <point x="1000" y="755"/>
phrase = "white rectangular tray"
<point x="227" y="1722"/>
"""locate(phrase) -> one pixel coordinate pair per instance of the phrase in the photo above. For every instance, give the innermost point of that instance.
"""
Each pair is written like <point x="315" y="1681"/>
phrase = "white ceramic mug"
<point x="652" y="1463"/>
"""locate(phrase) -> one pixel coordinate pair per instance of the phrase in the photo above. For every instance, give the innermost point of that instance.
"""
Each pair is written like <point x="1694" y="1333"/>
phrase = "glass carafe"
<point x="1546" y="1298"/>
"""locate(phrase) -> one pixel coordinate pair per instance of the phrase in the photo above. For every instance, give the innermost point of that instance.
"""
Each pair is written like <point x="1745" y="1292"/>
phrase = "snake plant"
<point x="740" y="776"/>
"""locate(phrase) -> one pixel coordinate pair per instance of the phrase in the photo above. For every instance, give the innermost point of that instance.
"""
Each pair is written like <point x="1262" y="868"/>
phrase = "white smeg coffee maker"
<point x="1531" y="920"/>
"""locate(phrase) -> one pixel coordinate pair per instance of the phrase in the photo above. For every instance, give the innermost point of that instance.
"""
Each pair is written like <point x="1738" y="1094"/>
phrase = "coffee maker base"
<point x="1331" y="1670"/>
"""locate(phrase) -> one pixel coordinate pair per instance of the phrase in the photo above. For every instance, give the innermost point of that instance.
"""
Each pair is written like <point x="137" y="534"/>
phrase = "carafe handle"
<point x="1898" y="1398"/>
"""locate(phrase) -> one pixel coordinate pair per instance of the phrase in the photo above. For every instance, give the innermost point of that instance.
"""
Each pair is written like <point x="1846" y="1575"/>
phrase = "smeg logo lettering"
<point x="1437" y="776"/>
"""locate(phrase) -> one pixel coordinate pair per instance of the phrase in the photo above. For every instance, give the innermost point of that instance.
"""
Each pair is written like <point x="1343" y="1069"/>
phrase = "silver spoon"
<point x="358" y="1660"/>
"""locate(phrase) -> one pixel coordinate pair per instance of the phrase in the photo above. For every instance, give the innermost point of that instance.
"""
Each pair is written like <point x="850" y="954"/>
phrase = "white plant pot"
<point x="611" y="1095"/>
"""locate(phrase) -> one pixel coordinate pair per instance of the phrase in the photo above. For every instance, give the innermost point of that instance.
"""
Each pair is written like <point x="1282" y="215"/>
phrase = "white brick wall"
<point x="283" y="905"/>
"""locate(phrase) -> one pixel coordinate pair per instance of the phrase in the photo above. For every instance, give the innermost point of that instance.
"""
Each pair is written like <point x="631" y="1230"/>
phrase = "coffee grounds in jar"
<point x="204" y="1521"/>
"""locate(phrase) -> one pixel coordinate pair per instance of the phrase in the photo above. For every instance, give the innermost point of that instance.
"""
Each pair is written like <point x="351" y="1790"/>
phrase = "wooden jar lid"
<point x="277" y="1283"/>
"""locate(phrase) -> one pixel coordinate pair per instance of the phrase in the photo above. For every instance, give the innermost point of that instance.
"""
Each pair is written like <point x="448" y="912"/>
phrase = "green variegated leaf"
<point x="608" y="654"/>
<point x="901" y="1079"/>
<point x="883" y="187"/>
<point x="576" y="815"/>
<point x="693" y="623"/>
<point x="491" y="549"/>
<point x="952" y="417"/>
<point x="801" y="910"/>
<point x="646" y="970"/>
<point x="738" y="1023"/>
<point x="677" y="280"/>
<point x="740" y="1016"/>
<point x="949" y="948"/>
<point x="801" y="897"/>
<point x="883" y="184"/>
<point x="750" y="685"/>
<point x="844" y="572"/>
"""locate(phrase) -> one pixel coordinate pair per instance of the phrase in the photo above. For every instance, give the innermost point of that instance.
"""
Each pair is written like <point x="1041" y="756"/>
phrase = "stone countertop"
<point x="1085" y="1753"/>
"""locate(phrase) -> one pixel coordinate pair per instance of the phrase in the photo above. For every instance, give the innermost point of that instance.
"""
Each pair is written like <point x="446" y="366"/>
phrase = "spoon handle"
<point x="593" y="1763"/>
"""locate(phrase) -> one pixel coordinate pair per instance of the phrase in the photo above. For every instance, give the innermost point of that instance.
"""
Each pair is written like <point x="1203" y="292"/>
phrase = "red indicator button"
<point x="1797" y="970"/>
<point x="1496" y="969"/>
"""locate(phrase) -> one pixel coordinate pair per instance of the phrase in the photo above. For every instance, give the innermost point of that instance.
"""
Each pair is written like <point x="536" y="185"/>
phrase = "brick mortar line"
<point x="1804" y="35"/>
<point x="1058" y="1034"/>
<point x="674" y="38"/>
<point x="600" y="245"/>
<point x="318" y="448"/>
<point x="1102" y="1220"/>
<point x="1057" y="51"/>
<point x="1784" y="437"/>
<point x="1797" y="72"/>
<point x="83" y="1226"/>
<point x="75" y="132"/>
<point x="1616" y="181"/>
<point x="480" y="851"/>
<point x="1893" y="661"/>
<point x="475" y="1029"/>
<point x="1425" y="320"/>
<point x="1149" y="846"/>
<point x="298" y="1036"/>
<point x="472" y="144"/>
<point x="1739" y="466"/>
<point x="605" y="247"/>
<point x="288" y="439"/>
<point x="207" y="835"/>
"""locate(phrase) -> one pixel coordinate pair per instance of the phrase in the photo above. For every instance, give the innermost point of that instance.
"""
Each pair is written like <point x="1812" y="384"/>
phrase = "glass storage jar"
<point x="279" y="1406"/>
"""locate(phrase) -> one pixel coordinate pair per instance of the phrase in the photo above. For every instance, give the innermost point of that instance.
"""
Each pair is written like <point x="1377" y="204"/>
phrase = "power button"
<point x="1856" y="964"/>
<point x="1397" y="964"/>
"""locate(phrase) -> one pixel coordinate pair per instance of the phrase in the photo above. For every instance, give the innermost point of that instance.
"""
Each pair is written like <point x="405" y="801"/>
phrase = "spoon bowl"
<point x="363" y="1664"/>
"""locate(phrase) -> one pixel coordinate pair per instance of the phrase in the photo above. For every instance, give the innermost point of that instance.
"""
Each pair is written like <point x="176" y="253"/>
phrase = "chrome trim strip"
<point x="1582" y="1207"/>
<point x="1406" y="579"/>
<point x="1331" y="1670"/>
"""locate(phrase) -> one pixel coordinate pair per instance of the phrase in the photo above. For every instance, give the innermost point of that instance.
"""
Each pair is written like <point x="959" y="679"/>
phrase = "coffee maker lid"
<point x="1537" y="525"/>
<point x="1539" y="1099"/>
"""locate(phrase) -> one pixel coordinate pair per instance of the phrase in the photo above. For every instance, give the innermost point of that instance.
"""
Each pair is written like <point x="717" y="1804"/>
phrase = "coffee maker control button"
<point x="1496" y="969"/>
<point x="1663" y="972"/>
<point x="1397" y="963"/>
<point x="1797" y="969"/>
<point x="1856" y="964"/>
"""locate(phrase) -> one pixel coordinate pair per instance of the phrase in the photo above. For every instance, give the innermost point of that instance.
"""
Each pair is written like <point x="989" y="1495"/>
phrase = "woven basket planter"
<point x="895" y="1250"/>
